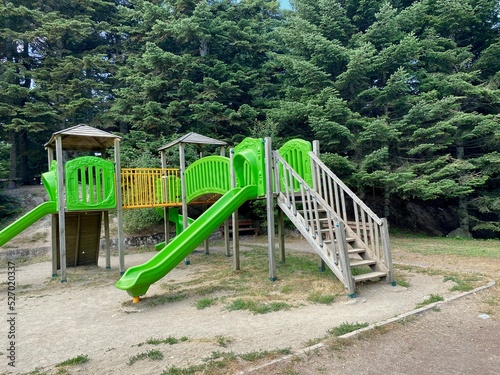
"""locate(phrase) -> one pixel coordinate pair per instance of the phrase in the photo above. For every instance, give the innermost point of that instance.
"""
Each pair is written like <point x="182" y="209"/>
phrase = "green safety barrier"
<point x="209" y="175"/>
<point x="249" y="164"/>
<point x="296" y="153"/>
<point x="90" y="184"/>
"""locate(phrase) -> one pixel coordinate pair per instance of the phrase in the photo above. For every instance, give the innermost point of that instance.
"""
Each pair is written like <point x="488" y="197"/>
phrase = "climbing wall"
<point x="83" y="234"/>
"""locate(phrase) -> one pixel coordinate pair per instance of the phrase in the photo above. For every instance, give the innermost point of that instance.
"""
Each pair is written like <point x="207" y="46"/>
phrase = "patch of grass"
<point x="152" y="355"/>
<point x="431" y="299"/>
<point x="469" y="248"/>
<point x="79" y="359"/>
<point x="256" y="355"/>
<point x="168" y="298"/>
<point x="223" y="341"/>
<point x="257" y="307"/>
<point x="325" y="299"/>
<point x="206" y="302"/>
<point x="170" y="340"/>
<point x="461" y="285"/>
<point x="36" y="371"/>
<point x="226" y="356"/>
<point x="346" y="327"/>
<point x="403" y="283"/>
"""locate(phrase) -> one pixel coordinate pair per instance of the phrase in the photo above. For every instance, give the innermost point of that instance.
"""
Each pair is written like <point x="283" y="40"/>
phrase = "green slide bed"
<point x="136" y="280"/>
<point x="25" y="221"/>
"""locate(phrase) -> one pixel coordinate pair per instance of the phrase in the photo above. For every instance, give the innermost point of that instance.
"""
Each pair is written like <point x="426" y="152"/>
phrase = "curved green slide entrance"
<point x="136" y="280"/>
<point x="25" y="221"/>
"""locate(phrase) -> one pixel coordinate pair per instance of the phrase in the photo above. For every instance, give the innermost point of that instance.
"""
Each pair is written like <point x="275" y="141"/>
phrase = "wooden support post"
<point x="107" y="247"/>
<point x="236" y="242"/>
<point x="54" y="244"/>
<point x="166" y="221"/>
<point x="77" y="240"/>
<point x="281" y="235"/>
<point x="321" y="262"/>
<point x="226" y="222"/>
<point x="182" y="159"/>
<point x="207" y="247"/>
<point x="270" y="208"/>
<point x="119" y="210"/>
<point x="236" y="235"/>
<point x="61" y="207"/>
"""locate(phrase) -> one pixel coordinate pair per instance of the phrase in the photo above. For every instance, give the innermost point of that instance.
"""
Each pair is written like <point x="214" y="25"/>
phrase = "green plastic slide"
<point x="25" y="221"/>
<point x="136" y="280"/>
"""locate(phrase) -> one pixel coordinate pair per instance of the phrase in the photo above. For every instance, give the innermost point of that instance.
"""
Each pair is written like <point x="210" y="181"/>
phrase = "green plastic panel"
<point x="90" y="184"/>
<point x="209" y="175"/>
<point x="249" y="164"/>
<point x="49" y="180"/>
<point x="296" y="153"/>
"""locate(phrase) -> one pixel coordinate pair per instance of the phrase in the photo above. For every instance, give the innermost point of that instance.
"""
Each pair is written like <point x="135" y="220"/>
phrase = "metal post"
<point x="61" y="207"/>
<point x="119" y="211"/>
<point x="270" y="208"/>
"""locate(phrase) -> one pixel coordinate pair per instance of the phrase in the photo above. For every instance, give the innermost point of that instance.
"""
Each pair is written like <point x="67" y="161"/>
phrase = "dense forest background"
<point x="403" y="95"/>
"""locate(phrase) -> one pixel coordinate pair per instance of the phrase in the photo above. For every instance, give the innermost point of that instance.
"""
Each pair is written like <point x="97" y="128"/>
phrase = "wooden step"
<point x="356" y="251"/>
<point x="348" y="239"/>
<point x="362" y="262"/>
<point x="369" y="276"/>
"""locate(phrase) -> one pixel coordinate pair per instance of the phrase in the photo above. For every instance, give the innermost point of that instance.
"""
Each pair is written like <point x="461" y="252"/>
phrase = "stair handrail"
<point x="374" y="238"/>
<point x="337" y="257"/>
<point x="316" y="161"/>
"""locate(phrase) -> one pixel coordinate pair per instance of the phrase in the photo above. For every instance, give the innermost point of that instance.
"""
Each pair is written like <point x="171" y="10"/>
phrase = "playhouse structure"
<point x="342" y="230"/>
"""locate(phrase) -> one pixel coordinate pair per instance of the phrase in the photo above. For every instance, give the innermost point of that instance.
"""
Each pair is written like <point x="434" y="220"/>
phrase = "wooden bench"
<point x="244" y="225"/>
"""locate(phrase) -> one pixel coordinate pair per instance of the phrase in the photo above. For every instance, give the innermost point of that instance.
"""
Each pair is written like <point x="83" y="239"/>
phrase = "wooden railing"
<point x="362" y="221"/>
<point x="306" y="209"/>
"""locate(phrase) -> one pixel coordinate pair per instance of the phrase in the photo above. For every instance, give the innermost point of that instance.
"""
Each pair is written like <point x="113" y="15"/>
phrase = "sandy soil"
<point x="89" y="316"/>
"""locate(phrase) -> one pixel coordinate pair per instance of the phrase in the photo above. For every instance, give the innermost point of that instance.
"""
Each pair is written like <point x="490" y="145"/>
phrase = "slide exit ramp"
<point x="136" y="280"/>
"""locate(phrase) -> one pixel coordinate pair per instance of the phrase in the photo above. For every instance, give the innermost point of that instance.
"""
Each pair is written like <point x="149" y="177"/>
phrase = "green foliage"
<point x="433" y="298"/>
<point x="346" y="327"/>
<point x="153" y="355"/>
<point x="8" y="208"/>
<point x="403" y="95"/>
<point x="257" y="307"/>
<point x="4" y="159"/>
<point x="141" y="220"/>
<point x="169" y="340"/>
<point x="79" y="359"/>
<point x="206" y="302"/>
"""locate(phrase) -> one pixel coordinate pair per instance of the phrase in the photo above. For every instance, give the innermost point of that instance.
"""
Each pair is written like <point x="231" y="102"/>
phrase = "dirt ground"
<point x="89" y="316"/>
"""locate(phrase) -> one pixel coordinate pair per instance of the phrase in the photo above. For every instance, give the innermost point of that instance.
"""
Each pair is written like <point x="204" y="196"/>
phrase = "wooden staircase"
<point x="345" y="233"/>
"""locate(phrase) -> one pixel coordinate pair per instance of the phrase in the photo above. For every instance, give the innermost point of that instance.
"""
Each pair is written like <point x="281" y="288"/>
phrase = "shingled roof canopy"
<point x="193" y="138"/>
<point x="83" y="138"/>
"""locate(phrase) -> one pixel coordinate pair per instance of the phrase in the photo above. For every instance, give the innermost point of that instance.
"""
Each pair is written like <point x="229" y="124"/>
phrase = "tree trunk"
<point x="463" y="213"/>
<point x="23" y="154"/>
<point x="13" y="160"/>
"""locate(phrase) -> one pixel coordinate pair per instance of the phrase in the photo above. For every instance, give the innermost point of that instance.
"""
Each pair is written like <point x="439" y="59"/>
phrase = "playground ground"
<point x="88" y="316"/>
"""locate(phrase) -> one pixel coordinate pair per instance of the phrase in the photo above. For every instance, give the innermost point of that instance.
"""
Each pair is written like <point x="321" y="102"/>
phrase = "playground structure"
<point x="342" y="230"/>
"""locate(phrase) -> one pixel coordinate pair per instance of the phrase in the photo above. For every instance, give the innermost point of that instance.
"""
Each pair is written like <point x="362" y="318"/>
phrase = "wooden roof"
<point x="83" y="138"/>
<point x="194" y="138"/>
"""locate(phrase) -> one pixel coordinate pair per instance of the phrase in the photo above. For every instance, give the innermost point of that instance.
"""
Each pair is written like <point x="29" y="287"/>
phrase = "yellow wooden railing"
<point x="150" y="187"/>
